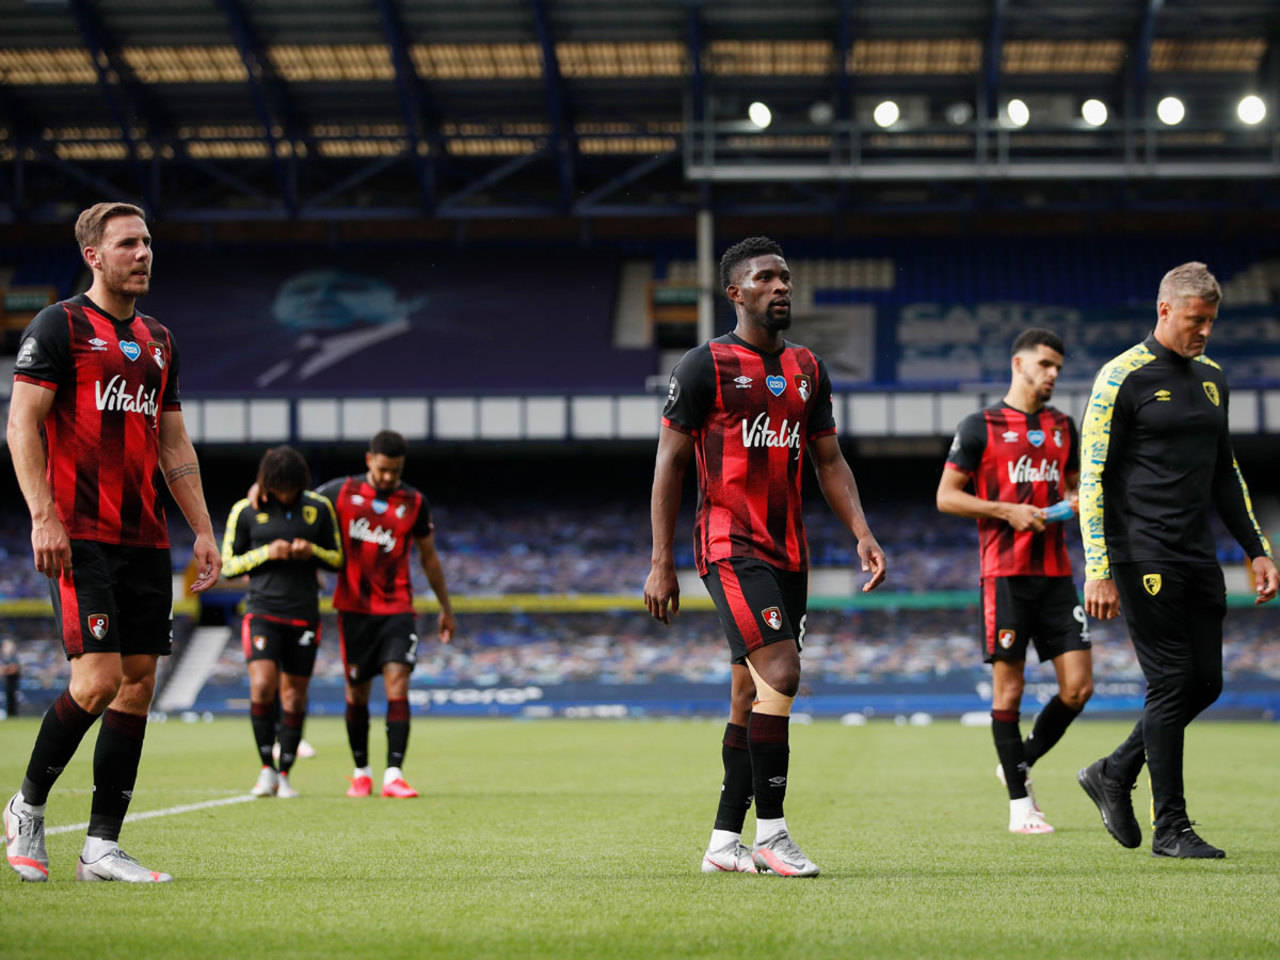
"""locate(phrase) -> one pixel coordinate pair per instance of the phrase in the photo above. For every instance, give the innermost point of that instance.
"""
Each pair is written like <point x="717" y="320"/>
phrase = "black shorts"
<point x="292" y="644"/>
<point x="758" y="603"/>
<point x="115" y="600"/>
<point x="1043" y="610"/>
<point x="369" y="640"/>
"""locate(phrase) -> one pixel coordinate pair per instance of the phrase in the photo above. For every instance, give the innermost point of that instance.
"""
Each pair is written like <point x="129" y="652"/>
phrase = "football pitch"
<point x="583" y="839"/>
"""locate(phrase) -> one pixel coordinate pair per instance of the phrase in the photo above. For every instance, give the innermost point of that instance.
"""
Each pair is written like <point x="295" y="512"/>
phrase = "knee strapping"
<point x="769" y="700"/>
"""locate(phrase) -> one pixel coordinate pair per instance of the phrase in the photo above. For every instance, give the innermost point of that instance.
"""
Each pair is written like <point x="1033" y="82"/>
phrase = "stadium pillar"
<point x="706" y="275"/>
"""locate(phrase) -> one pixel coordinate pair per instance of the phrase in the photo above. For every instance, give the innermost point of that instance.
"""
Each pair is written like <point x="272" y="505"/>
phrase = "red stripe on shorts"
<point x="72" y="629"/>
<point x="989" y="614"/>
<point x="743" y="616"/>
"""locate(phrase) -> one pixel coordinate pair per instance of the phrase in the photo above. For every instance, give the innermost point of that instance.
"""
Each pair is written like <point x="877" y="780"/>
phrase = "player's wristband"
<point x="1058" y="512"/>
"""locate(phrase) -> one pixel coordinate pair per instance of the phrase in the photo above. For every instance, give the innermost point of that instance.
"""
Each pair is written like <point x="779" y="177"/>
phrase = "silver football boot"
<point x="24" y="842"/>
<point x="118" y="865"/>
<point x="779" y="854"/>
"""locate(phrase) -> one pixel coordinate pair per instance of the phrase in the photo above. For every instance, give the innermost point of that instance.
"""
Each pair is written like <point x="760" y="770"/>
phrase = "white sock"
<point x="1018" y="809"/>
<point x="95" y="848"/>
<point x="767" y="828"/>
<point x="363" y="772"/>
<point x="722" y="838"/>
<point x="20" y="805"/>
<point x="393" y="773"/>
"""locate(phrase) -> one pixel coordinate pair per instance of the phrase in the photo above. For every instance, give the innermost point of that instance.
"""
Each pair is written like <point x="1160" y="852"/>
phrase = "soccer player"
<point x="379" y="519"/>
<point x="95" y="422"/>
<point x="1157" y="460"/>
<point x="748" y="404"/>
<point x="1022" y="457"/>
<point x="280" y="545"/>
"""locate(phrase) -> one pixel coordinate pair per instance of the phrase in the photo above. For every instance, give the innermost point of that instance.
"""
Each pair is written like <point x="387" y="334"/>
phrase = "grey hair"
<point x="1189" y="280"/>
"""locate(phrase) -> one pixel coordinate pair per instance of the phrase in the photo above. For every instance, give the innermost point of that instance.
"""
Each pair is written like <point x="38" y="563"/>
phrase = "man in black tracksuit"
<point x="1156" y="458"/>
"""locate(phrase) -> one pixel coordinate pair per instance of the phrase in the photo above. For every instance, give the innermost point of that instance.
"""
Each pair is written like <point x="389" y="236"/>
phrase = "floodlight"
<point x="1251" y="109"/>
<point x="886" y="113"/>
<point x="760" y="114"/>
<point x="1171" y="111"/>
<point x="1094" y="112"/>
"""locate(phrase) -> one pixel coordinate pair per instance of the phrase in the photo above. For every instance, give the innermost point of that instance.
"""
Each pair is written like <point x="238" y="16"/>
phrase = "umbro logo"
<point x="743" y="382"/>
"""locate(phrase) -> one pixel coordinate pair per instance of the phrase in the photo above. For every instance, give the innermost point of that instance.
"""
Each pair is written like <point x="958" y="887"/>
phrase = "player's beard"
<point x="774" y="321"/>
<point x="125" y="284"/>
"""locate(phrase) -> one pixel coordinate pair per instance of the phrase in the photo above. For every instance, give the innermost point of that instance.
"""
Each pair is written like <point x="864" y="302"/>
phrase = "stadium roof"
<point x="338" y="109"/>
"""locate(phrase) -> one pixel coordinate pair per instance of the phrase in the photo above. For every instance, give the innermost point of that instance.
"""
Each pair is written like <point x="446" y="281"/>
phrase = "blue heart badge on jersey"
<point x="1036" y="437"/>
<point x="379" y="506"/>
<point x="130" y="349"/>
<point x="776" y="385"/>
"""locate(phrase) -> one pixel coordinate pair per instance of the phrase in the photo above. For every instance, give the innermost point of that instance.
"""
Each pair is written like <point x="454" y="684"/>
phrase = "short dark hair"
<point x="283" y="470"/>
<point x="741" y="252"/>
<point x="1036" y="337"/>
<point x="389" y="444"/>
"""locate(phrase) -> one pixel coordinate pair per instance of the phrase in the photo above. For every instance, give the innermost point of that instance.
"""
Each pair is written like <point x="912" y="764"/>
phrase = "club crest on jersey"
<point x="1035" y="438"/>
<point x="130" y="349"/>
<point x="1211" y="391"/>
<point x="773" y="617"/>
<point x="309" y="514"/>
<point x="804" y="385"/>
<point x="379" y="506"/>
<point x="1151" y="582"/>
<point x="98" y="624"/>
<point x="776" y="384"/>
<point x="259" y="643"/>
<point x="1006" y="637"/>
<point x="156" y="349"/>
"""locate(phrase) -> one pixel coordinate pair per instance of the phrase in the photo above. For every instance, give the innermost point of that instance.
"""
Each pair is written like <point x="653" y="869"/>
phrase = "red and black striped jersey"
<point x="378" y="531"/>
<point x="111" y="381"/>
<point x="1017" y="457"/>
<point x="751" y="414"/>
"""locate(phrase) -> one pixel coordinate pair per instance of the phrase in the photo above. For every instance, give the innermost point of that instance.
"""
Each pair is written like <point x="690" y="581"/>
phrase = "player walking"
<point x="1023" y="458"/>
<point x="95" y="421"/>
<point x="748" y="404"/>
<point x="379" y="518"/>
<point x="280" y="545"/>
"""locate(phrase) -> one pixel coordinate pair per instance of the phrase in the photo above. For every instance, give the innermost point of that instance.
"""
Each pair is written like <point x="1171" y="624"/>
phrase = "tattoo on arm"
<point x="186" y="470"/>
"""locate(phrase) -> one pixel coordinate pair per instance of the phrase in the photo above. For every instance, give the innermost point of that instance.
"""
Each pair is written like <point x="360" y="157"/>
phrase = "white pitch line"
<point x="166" y="812"/>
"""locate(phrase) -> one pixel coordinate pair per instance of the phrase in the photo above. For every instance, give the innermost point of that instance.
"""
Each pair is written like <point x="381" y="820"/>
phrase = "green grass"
<point x="582" y="839"/>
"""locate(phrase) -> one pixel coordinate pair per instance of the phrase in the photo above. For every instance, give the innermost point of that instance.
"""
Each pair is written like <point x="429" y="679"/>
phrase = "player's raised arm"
<point x="182" y="473"/>
<point x="28" y="406"/>
<point x="661" y="588"/>
<point x="840" y="489"/>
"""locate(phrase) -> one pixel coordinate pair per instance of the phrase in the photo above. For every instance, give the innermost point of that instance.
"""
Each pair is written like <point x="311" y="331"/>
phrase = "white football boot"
<point x="268" y="783"/>
<point x="284" y="790"/>
<point x="733" y="857"/>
